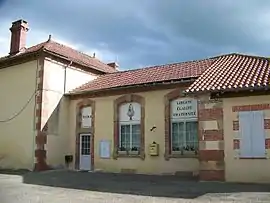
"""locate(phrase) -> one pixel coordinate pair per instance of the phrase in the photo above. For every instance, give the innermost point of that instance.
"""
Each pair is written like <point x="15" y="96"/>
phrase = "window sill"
<point x="129" y="155"/>
<point x="252" y="157"/>
<point x="178" y="155"/>
<point x="122" y="154"/>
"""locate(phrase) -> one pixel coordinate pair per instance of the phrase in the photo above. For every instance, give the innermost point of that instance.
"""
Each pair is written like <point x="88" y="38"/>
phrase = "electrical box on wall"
<point x="154" y="149"/>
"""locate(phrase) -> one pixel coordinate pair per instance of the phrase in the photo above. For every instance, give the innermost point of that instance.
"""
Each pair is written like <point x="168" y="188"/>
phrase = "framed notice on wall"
<point x="105" y="149"/>
<point x="86" y="117"/>
<point x="184" y="108"/>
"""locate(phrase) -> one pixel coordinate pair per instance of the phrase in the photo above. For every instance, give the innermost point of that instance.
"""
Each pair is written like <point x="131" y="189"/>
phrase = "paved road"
<point x="66" y="186"/>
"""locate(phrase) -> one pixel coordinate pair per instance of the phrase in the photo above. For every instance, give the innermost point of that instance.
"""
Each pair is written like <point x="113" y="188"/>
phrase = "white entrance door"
<point x="85" y="152"/>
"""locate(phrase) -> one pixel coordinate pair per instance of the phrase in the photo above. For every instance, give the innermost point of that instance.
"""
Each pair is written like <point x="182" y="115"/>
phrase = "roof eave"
<point x="161" y="83"/>
<point x="22" y="58"/>
<point x="240" y="89"/>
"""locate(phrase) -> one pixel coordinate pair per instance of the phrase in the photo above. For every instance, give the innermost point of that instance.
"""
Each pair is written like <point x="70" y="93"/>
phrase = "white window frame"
<point x="171" y="134"/>
<point x="130" y="123"/>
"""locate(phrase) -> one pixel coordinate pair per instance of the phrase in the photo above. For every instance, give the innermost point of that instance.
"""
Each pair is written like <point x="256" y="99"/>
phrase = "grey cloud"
<point x="218" y="23"/>
<point x="154" y="31"/>
<point x="2" y="2"/>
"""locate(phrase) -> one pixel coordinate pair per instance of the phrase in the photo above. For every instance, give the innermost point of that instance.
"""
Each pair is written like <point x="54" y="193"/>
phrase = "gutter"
<point x="65" y="75"/>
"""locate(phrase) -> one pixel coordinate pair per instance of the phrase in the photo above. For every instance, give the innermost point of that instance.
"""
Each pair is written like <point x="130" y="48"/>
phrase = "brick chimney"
<point x="18" y="30"/>
<point x="113" y="65"/>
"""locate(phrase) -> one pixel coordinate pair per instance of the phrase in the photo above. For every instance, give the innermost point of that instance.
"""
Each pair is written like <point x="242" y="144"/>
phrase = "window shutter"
<point x="258" y="134"/>
<point x="245" y="121"/>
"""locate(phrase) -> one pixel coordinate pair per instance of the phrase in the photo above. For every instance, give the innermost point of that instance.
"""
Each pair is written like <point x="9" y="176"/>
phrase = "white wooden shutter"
<point x="245" y="121"/>
<point x="258" y="135"/>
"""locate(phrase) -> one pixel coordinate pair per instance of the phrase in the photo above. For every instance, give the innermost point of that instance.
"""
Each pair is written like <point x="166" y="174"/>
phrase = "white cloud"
<point x="4" y="39"/>
<point x="37" y="36"/>
<point x="33" y="37"/>
<point x="102" y="53"/>
<point x="3" y="45"/>
<point x="67" y="43"/>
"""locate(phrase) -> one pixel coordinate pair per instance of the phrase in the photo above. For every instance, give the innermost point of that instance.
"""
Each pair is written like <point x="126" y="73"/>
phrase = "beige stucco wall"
<point x="154" y="116"/>
<point x="243" y="170"/>
<point x="55" y="107"/>
<point x="17" y="86"/>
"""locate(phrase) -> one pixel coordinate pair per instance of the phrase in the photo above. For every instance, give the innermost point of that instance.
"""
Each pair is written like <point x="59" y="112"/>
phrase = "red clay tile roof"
<point x="233" y="71"/>
<point x="68" y="53"/>
<point x="169" y="72"/>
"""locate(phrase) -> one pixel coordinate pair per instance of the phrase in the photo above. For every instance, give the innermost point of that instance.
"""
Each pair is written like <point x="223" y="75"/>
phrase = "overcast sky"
<point x="139" y="33"/>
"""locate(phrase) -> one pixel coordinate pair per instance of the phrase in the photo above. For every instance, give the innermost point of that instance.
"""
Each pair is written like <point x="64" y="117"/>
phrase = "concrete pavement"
<point x="67" y="186"/>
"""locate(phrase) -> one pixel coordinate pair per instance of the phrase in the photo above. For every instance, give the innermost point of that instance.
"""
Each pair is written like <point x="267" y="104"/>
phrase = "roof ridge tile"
<point x="253" y="74"/>
<point x="66" y="51"/>
<point x="150" y="74"/>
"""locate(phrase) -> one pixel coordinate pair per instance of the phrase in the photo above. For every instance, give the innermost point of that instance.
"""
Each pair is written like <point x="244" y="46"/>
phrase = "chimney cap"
<point x="113" y="65"/>
<point x="19" y="23"/>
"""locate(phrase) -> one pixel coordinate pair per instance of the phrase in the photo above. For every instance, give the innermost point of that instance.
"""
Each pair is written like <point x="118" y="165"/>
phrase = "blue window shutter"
<point x="258" y="135"/>
<point x="245" y="121"/>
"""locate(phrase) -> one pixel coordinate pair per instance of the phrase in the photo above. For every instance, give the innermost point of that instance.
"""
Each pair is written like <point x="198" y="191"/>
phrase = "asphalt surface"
<point x="67" y="186"/>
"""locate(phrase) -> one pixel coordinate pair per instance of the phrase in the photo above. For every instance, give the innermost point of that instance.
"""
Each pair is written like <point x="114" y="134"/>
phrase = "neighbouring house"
<point x="206" y="118"/>
<point x="32" y="83"/>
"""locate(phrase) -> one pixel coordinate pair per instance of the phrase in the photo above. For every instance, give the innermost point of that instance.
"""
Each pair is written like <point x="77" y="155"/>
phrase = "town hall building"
<point x="208" y="119"/>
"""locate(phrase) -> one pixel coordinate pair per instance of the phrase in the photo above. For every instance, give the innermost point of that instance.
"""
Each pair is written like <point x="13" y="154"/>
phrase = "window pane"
<point x="124" y="137"/>
<point x="191" y="136"/>
<point x="85" y="145"/>
<point x="174" y="136"/>
<point x="178" y="136"/>
<point x="136" y="135"/>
